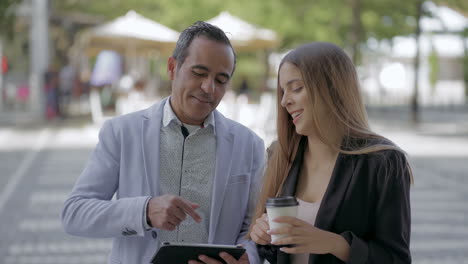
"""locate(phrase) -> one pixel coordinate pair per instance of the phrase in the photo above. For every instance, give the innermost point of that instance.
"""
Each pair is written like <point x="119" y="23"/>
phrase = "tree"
<point x="7" y="16"/>
<point x="414" y="100"/>
<point x="458" y="4"/>
<point x="349" y="23"/>
<point x="356" y="29"/>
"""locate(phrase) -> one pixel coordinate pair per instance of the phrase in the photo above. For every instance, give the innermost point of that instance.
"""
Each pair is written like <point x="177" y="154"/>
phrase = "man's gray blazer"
<point x="126" y="163"/>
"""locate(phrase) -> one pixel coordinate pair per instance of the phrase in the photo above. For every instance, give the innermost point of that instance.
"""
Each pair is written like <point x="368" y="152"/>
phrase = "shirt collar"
<point x="169" y="116"/>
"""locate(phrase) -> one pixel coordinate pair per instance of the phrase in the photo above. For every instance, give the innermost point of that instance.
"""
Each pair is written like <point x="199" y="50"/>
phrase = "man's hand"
<point x="227" y="258"/>
<point x="168" y="211"/>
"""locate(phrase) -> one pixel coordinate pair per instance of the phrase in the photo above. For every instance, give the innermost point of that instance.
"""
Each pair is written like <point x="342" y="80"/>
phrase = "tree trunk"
<point x="465" y="64"/>
<point x="414" y="100"/>
<point x="1" y="74"/>
<point x="266" y="74"/>
<point x="356" y="30"/>
<point x="39" y="56"/>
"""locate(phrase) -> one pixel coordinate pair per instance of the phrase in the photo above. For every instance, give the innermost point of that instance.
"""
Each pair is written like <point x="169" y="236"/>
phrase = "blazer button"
<point x="154" y="234"/>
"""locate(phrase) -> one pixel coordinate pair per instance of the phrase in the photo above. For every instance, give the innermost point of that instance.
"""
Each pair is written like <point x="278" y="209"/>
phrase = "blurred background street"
<point x="40" y="164"/>
<point x="67" y="65"/>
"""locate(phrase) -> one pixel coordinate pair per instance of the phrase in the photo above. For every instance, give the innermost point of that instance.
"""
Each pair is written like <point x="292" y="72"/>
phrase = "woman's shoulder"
<point x="380" y="155"/>
<point x="381" y="152"/>
<point x="357" y="143"/>
<point x="390" y="165"/>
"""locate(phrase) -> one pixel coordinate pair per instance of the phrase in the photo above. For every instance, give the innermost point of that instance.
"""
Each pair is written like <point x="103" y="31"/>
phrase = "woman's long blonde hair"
<point x="329" y="77"/>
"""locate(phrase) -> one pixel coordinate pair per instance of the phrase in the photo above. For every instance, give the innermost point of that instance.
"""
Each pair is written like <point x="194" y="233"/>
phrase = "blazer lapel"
<point x="151" y="125"/>
<point x="224" y="148"/>
<point x="334" y="196"/>
<point x="290" y="184"/>
<point x="335" y="192"/>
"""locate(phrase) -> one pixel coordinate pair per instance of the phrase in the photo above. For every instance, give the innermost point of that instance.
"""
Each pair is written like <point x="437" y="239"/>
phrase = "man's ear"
<point x="171" y="67"/>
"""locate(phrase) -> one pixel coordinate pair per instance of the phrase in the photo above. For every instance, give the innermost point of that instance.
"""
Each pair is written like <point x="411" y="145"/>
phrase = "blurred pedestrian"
<point x="4" y="68"/>
<point x="22" y="95"/>
<point x="4" y="65"/>
<point x="181" y="171"/>
<point x="51" y="89"/>
<point x="106" y="73"/>
<point x="125" y="86"/>
<point x="244" y="87"/>
<point x="352" y="184"/>
<point x="67" y="78"/>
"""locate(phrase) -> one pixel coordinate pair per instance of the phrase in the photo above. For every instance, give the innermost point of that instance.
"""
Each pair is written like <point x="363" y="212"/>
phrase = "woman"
<point x="352" y="184"/>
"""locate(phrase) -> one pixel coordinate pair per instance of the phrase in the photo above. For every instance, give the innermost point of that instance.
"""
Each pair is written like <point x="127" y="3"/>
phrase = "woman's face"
<point x="295" y="98"/>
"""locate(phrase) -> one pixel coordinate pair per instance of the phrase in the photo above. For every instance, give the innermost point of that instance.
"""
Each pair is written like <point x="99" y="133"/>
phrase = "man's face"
<point x="199" y="84"/>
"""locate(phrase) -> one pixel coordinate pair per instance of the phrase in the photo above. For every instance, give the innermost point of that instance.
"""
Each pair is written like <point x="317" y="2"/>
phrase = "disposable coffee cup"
<point x="280" y="206"/>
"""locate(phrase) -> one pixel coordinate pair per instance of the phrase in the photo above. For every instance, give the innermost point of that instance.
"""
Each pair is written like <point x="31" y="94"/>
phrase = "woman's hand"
<point x="308" y="239"/>
<point x="259" y="231"/>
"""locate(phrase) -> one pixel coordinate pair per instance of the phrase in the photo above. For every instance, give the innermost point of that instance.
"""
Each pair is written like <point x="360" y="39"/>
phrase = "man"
<point x="180" y="170"/>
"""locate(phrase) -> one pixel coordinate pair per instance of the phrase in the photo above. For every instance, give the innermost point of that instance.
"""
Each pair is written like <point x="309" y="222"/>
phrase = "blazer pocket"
<point x="235" y="179"/>
<point x="114" y="256"/>
<point x="113" y="260"/>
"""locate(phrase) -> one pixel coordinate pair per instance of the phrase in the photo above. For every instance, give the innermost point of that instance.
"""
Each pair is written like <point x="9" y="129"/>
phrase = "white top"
<point x="306" y="212"/>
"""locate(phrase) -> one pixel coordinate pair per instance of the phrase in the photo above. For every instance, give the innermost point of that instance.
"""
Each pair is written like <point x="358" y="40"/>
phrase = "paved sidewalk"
<point x="39" y="165"/>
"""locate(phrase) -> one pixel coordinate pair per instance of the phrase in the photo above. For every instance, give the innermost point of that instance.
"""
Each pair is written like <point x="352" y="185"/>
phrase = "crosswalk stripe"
<point x="44" y="209"/>
<point x="441" y="181"/>
<point x="60" y="247"/>
<point x="23" y="167"/>
<point x="441" y="206"/>
<point x="434" y="194"/>
<point x="441" y="260"/>
<point x="447" y="229"/>
<point x="431" y="215"/>
<point x="63" y="179"/>
<point x="51" y="196"/>
<point x="440" y="244"/>
<point x="40" y="225"/>
<point x="38" y="259"/>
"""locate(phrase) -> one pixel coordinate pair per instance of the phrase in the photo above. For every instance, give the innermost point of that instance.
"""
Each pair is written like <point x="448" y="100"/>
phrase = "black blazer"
<point x="367" y="202"/>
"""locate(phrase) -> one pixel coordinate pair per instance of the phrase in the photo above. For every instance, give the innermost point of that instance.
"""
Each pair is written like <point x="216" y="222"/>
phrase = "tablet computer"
<point x="182" y="253"/>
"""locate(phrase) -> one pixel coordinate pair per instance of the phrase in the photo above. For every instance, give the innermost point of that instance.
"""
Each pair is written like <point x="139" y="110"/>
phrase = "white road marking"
<point x="16" y="177"/>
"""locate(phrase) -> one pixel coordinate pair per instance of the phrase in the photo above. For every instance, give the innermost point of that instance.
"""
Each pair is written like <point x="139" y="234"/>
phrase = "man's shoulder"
<point x="133" y="119"/>
<point x="128" y="119"/>
<point x="237" y="128"/>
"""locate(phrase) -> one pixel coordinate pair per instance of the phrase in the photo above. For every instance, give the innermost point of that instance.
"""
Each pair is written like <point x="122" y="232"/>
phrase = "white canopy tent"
<point x="130" y="34"/>
<point x="138" y="39"/>
<point x="243" y="35"/>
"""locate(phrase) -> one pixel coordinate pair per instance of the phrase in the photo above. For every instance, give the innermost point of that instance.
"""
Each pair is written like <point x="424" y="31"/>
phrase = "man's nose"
<point x="208" y="85"/>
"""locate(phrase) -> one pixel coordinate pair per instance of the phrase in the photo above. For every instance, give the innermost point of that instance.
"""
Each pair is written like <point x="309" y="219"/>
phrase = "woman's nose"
<point x="285" y="100"/>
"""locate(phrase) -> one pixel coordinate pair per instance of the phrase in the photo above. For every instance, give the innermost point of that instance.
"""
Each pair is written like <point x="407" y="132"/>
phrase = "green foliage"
<point x="460" y="5"/>
<point x="465" y="72"/>
<point x="7" y="17"/>
<point x="296" y="21"/>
